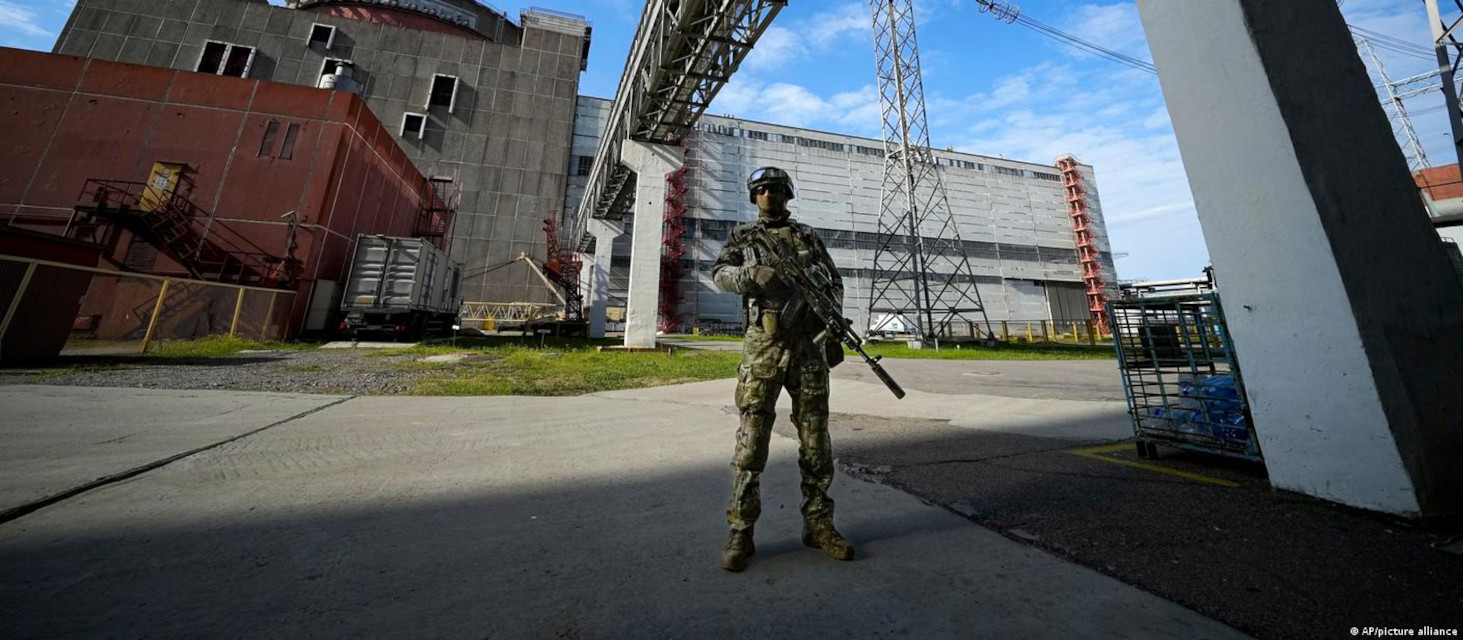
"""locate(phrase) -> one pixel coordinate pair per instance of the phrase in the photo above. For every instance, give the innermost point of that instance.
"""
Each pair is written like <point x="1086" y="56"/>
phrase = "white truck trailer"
<point x="402" y="287"/>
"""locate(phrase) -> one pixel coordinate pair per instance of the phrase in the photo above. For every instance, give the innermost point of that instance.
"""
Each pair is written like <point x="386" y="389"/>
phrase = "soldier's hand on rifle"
<point x="767" y="281"/>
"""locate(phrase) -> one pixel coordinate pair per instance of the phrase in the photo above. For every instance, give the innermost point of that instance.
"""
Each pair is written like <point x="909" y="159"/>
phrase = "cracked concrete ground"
<point x="600" y="517"/>
<point x="994" y="442"/>
<point x="594" y="517"/>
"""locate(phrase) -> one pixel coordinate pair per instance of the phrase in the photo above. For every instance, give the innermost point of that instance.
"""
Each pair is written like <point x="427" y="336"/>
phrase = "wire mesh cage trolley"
<point x="1180" y="376"/>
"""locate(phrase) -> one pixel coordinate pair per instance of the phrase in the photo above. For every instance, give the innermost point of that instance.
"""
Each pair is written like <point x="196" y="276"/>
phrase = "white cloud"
<point x="1113" y="26"/>
<point x="774" y="49"/>
<point x="17" y="18"/>
<point x="821" y="32"/>
<point x="854" y="112"/>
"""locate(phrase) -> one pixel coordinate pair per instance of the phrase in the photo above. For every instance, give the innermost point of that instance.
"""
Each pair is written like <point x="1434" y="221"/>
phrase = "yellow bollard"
<point x="1091" y="333"/>
<point x="1028" y="333"/>
<point x="268" y="317"/>
<point x="14" y="307"/>
<point x="157" y="310"/>
<point x="1006" y="330"/>
<point x="238" y="307"/>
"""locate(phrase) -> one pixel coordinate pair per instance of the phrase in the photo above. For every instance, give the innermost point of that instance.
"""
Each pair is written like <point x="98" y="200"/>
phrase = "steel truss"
<point x="508" y="311"/>
<point x="685" y="51"/>
<point x="1397" y="112"/>
<point x="1450" y="55"/>
<point x="921" y="272"/>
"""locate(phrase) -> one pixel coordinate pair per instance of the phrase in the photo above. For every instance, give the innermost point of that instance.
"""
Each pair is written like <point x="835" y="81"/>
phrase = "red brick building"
<point x="254" y="151"/>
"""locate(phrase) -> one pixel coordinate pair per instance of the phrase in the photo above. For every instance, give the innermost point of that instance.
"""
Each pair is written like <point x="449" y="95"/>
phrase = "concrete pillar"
<point x="597" y="273"/>
<point x="1350" y="343"/>
<point x="651" y="164"/>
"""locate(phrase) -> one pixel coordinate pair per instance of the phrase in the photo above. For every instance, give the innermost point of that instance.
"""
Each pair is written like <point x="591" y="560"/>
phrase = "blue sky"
<point x="992" y="89"/>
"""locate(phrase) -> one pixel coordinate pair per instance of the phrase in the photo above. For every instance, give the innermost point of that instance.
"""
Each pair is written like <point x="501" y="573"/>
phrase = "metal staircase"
<point x="206" y="247"/>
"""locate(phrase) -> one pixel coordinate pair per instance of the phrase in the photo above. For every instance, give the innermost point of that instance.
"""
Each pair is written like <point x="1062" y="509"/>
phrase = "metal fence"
<point x="1034" y="331"/>
<point x="1029" y="331"/>
<point x="91" y="309"/>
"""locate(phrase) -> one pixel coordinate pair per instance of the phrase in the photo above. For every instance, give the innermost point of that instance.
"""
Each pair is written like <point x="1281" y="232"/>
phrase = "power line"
<point x="1089" y="47"/>
<point x="1381" y="38"/>
<point x="1011" y="14"/>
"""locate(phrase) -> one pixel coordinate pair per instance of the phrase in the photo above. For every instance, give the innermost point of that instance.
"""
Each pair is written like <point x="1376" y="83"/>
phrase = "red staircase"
<point x="1087" y="252"/>
<point x="673" y="250"/>
<point x="563" y="267"/>
<point x="207" y="248"/>
<point x="439" y="205"/>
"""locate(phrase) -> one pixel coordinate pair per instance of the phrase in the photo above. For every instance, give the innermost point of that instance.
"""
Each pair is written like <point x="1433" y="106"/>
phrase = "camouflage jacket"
<point x="733" y="269"/>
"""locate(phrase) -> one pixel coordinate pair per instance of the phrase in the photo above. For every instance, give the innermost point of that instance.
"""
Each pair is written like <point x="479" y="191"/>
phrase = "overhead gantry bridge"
<point x="684" y="52"/>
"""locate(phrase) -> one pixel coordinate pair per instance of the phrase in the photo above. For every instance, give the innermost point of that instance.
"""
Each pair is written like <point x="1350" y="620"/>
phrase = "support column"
<point x="651" y="164"/>
<point x="598" y="273"/>
<point x="1347" y="329"/>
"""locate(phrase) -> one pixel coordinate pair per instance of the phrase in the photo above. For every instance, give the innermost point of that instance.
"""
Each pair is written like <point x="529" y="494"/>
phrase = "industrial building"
<point x="488" y="108"/>
<point x="195" y="176"/>
<point x="469" y="94"/>
<point x="1013" y="217"/>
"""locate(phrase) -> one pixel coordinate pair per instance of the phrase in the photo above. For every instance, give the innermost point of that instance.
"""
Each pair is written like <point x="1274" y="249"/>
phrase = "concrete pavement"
<point x="56" y="438"/>
<point x="513" y="517"/>
<point x="1027" y="399"/>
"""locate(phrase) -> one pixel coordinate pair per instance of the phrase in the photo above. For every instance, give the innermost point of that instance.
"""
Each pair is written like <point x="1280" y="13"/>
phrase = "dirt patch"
<point x="334" y="371"/>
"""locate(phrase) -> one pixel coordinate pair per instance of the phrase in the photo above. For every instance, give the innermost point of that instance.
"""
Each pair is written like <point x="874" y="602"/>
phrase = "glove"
<point x="767" y="281"/>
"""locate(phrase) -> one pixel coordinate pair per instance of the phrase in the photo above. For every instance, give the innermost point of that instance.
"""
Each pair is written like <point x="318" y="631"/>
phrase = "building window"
<point x="819" y="144"/>
<point x="333" y="66"/>
<point x="444" y="92"/>
<point x="287" y="150"/>
<point x="414" y="125"/>
<point x="224" y="59"/>
<point x="266" y="146"/>
<point x="585" y="166"/>
<point x="757" y="135"/>
<point x="322" y="35"/>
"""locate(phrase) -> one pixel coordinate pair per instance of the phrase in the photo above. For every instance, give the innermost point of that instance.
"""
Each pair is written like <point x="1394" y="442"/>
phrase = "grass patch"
<point x="217" y="346"/>
<point x="975" y="351"/>
<point x="473" y="345"/>
<point x="571" y="368"/>
<point x="706" y="338"/>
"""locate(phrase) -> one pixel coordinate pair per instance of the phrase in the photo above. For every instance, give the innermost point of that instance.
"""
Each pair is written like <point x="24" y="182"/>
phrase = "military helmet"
<point x="766" y="176"/>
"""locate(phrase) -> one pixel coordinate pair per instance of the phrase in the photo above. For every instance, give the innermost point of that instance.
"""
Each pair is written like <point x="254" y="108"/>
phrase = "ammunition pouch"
<point x="768" y="318"/>
<point x="832" y="349"/>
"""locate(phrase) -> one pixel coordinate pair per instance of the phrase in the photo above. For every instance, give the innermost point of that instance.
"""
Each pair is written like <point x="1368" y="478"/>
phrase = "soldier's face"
<point x="771" y="198"/>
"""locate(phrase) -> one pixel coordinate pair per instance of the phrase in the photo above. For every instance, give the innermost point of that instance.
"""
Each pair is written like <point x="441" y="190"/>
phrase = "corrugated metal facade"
<point x="1012" y="216"/>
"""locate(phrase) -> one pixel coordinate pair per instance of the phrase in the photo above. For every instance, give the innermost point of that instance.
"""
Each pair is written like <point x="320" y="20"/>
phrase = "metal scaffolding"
<point x="1087" y="254"/>
<point x="922" y="275"/>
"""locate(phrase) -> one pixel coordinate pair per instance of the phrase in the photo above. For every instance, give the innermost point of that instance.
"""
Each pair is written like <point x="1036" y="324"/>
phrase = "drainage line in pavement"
<point x="36" y="505"/>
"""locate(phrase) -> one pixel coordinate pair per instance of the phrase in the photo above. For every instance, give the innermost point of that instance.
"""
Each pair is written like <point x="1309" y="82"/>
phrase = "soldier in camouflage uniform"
<point x="778" y="352"/>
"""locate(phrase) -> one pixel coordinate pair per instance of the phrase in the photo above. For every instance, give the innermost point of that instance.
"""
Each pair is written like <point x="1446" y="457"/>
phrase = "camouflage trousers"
<point x="769" y="365"/>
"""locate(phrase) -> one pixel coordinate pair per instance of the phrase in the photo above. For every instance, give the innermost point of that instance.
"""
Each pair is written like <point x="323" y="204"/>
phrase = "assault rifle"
<point x="812" y="289"/>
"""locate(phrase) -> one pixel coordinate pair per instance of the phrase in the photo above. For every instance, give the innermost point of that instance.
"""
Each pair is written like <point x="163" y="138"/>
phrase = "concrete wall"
<point x="506" y="142"/>
<point x="87" y="119"/>
<point x="1351" y="343"/>
<point x="1012" y="215"/>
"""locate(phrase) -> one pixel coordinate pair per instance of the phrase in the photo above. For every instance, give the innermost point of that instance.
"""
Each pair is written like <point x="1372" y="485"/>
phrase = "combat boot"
<point x="738" y="548"/>
<point x="822" y="535"/>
